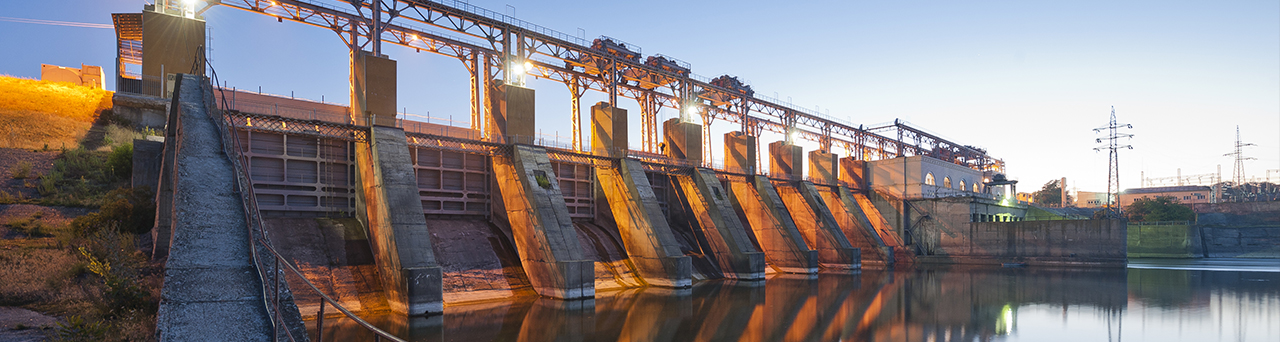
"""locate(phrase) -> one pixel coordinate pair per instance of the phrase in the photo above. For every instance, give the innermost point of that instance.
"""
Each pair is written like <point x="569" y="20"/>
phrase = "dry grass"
<point x="36" y="114"/>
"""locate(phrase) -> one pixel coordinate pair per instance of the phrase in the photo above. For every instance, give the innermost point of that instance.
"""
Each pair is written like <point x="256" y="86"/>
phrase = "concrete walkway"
<point x="211" y="288"/>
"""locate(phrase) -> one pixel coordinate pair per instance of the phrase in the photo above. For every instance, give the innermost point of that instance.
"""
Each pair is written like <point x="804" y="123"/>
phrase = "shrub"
<point x="21" y="170"/>
<point x="79" y="329"/>
<point x="1163" y="208"/>
<point x="81" y="178"/>
<point x="129" y="209"/>
<point x="120" y="161"/>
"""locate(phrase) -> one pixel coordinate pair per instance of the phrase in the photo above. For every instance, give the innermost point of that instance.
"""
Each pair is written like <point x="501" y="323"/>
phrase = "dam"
<point x="341" y="210"/>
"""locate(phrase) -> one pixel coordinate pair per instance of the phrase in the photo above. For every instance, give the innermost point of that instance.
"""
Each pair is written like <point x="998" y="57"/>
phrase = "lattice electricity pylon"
<point x="1238" y="173"/>
<point x="1113" y="163"/>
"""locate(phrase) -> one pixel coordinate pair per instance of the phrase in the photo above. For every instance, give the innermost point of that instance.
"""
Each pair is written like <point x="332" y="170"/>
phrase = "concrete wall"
<point x="1165" y="240"/>
<point x="147" y="155"/>
<point x="141" y="111"/>
<point x="1077" y="242"/>
<point x="1241" y="242"/>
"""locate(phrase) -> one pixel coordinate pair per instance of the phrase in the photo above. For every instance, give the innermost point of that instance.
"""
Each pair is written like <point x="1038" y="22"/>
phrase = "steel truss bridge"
<point x="498" y="48"/>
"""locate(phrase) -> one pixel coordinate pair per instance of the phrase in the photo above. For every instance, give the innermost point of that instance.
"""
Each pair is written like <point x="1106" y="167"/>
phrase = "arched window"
<point x="962" y="187"/>
<point x="975" y="187"/>
<point x="946" y="182"/>
<point x="928" y="179"/>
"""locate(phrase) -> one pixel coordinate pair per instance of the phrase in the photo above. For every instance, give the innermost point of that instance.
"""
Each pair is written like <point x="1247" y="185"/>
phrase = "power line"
<point x="56" y="23"/>
<point x="1113" y="167"/>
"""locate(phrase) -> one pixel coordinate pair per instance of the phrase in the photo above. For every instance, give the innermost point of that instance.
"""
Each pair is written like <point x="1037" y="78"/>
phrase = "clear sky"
<point x="1027" y="80"/>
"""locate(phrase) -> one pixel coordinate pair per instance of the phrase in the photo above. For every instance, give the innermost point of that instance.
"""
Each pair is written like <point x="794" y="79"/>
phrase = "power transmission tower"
<point x="1240" y="158"/>
<point x="1113" y="167"/>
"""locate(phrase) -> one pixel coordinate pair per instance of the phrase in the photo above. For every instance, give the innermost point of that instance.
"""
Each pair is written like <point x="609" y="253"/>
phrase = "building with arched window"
<point x="923" y="177"/>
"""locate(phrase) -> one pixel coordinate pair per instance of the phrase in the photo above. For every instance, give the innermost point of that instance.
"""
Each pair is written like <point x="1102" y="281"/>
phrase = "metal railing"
<point x="260" y="244"/>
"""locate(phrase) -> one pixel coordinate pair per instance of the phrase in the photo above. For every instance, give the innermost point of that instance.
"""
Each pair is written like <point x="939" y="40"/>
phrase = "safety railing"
<point x="260" y="245"/>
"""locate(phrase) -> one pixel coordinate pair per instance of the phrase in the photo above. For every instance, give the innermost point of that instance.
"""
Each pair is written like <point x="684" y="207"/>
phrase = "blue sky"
<point x="1025" y="80"/>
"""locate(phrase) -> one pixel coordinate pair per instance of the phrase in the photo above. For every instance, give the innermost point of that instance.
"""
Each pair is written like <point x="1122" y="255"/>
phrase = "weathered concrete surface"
<point x="211" y="288"/>
<point x="147" y="156"/>
<point x="162" y="233"/>
<point x="513" y="115"/>
<point x="1239" y="229"/>
<point x="758" y="203"/>
<point x="740" y="153"/>
<point x="1063" y="242"/>
<point x="531" y="203"/>
<point x="786" y="161"/>
<point x="818" y="226"/>
<point x="601" y="244"/>
<point x="1180" y="240"/>
<point x="140" y="110"/>
<point x="857" y="227"/>
<point x="392" y="211"/>
<point x="683" y="140"/>
<point x="724" y="233"/>
<point x="335" y="255"/>
<point x="823" y="167"/>
<point x="650" y="244"/>
<point x="608" y="130"/>
<point x="373" y="89"/>
<point x="479" y="261"/>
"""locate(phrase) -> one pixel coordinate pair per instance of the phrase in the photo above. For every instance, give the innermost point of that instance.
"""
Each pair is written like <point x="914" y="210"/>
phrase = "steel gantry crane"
<point x="499" y="48"/>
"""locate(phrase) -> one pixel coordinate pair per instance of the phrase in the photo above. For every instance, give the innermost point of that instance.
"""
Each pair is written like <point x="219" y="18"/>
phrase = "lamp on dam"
<point x="189" y="8"/>
<point x="690" y="111"/>
<point x="518" y="71"/>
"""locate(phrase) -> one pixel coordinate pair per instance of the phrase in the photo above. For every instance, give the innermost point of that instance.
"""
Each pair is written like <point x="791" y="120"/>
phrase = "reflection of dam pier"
<point x="384" y="214"/>
<point x="942" y="305"/>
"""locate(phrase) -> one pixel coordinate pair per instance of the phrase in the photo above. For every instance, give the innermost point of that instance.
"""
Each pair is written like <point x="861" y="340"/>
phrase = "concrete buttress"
<point x="857" y="227"/>
<point x="545" y="238"/>
<point x="389" y="204"/>
<point x="815" y="222"/>
<point x="651" y="246"/>
<point x="398" y="229"/>
<point x="783" y="245"/>
<point x="732" y="248"/>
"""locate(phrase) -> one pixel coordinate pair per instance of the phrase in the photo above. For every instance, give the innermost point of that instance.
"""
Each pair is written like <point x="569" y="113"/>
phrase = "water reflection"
<point x="970" y="304"/>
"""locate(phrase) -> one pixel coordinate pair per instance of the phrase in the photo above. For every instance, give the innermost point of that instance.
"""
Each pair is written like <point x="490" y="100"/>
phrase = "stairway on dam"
<point x="211" y="286"/>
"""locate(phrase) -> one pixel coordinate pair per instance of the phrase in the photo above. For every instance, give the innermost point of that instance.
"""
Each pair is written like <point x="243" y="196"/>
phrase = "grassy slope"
<point x="35" y="114"/>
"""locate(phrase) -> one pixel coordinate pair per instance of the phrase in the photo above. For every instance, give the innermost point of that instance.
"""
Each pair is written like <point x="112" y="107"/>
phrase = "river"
<point x="1151" y="300"/>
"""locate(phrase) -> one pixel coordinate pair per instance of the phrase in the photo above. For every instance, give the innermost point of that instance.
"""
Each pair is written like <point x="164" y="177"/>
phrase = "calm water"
<point x="1214" y="300"/>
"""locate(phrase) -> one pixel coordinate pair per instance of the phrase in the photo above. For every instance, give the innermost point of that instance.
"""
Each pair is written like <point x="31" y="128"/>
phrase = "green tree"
<point x="1051" y="194"/>
<point x="1163" y="208"/>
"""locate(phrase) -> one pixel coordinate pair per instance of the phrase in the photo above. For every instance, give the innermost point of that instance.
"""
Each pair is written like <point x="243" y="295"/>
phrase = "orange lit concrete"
<point x="650" y="244"/>
<point x="530" y="200"/>
<point x="398" y="232"/>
